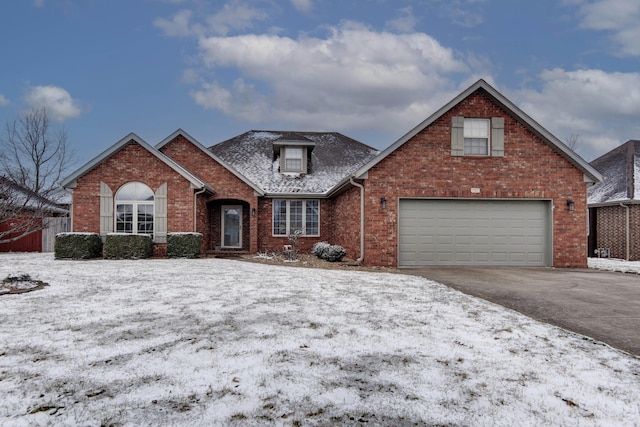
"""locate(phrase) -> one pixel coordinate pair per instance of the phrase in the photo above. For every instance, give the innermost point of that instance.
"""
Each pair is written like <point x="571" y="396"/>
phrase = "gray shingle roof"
<point x="620" y="169"/>
<point x="334" y="158"/>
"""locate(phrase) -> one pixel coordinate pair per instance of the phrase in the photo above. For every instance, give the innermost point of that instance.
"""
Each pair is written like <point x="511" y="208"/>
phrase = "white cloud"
<point x="234" y="15"/>
<point x="57" y="101"/>
<point x="620" y="17"/>
<point x="354" y="78"/>
<point x="405" y="23"/>
<point x="178" y="26"/>
<point x="302" y="5"/>
<point x="3" y="101"/>
<point x="603" y="108"/>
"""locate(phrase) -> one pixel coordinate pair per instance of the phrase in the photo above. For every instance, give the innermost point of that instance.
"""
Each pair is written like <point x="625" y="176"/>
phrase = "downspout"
<point x="359" y="260"/>
<point x="195" y="198"/>
<point x="627" y="217"/>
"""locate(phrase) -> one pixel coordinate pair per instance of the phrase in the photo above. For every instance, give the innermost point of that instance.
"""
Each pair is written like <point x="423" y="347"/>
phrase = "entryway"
<point x="229" y="226"/>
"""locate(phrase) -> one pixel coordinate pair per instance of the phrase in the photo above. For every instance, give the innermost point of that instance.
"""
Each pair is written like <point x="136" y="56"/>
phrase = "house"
<point x="477" y="183"/>
<point x="28" y="221"/>
<point x="614" y="204"/>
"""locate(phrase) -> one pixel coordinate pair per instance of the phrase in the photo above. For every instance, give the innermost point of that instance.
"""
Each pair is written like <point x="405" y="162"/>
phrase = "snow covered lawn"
<point x="224" y="342"/>
<point x="612" y="264"/>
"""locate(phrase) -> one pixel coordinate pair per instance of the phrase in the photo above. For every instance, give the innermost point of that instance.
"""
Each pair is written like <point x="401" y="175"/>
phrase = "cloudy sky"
<point x="371" y="69"/>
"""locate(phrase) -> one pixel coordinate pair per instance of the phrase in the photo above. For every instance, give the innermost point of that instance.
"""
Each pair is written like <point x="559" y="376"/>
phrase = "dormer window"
<point x="293" y="152"/>
<point x="293" y="159"/>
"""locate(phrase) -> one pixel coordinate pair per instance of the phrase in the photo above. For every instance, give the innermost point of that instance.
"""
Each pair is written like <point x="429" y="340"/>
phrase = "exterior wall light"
<point x="253" y="211"/>
<point x="571" y="205"/>
<point x="383" y="202"/>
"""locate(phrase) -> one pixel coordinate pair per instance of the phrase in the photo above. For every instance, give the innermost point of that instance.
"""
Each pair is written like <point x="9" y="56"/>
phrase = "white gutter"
<point x="195" y="199"/>
<point x="627" y="208"/>
<point x="359" y="260"/>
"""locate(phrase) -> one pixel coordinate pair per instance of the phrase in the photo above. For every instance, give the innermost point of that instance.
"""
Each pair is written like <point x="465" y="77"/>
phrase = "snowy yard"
<point x="224" y="342"/>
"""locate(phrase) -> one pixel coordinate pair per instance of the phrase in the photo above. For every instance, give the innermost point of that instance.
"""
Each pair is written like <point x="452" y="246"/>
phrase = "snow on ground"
<point x="224" y="342"/>
<point x="613" y="264"/>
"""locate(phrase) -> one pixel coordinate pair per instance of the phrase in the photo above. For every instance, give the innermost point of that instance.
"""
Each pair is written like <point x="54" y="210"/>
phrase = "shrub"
<point x="319" y="249"/>
<point x="129" y="246"/>
<point x="77" y="246"/>
<point x="327" y="252"/>
<point x="184" y="245"/>
<point x="335" y="253"/>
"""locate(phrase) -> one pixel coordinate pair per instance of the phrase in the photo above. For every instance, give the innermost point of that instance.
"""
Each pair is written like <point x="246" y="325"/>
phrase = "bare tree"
<point x="573" y="141"/>
<point x="34" y="155"/>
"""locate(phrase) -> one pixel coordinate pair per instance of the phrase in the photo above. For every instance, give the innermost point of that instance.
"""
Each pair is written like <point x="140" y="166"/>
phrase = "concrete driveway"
<point x="601" y="305"/>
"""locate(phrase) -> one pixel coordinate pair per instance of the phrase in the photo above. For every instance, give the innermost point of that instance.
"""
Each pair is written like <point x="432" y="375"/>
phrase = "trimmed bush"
<point x="327" y="252"/>
<point x="319" y="249"/>
<point x="335" y="253"/>
<point x="127" y="246"/>
<point x="184" y="245"/>
<point x="77" y="246"/>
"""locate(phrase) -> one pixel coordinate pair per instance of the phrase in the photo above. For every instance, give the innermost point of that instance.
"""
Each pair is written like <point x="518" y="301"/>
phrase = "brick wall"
<point x="424" y="167"/>
<point x="271" y="243"/>
<point x="227" y="186"/>
<point x="611" y="231"/>
<point x="346" y="222"/>
<point x="132" y="163"/>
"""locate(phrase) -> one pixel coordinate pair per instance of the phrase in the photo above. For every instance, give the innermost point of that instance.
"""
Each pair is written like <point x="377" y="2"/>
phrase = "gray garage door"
<point x="474" y="232"/>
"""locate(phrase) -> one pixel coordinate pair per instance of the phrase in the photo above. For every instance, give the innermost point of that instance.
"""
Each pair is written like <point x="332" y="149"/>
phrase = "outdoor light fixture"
<point x="383" y="202"/>
<point x="253" y="211"/>
<point x="571" y="204"/>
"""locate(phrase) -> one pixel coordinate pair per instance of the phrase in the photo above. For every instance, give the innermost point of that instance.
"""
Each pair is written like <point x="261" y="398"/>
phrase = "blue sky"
<point x="371" y="69"/>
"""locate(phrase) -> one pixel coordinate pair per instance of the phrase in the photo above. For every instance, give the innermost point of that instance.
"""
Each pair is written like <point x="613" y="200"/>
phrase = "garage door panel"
<point x="474" y="232"/>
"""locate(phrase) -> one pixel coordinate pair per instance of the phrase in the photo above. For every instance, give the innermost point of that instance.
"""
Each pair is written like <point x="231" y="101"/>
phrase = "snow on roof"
<point x="334" y="158"/>
<point x="620" y="169"/>
<point x="21" y="198"/>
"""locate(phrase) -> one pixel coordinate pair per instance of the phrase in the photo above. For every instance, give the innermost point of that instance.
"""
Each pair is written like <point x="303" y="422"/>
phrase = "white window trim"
<point x="135" y="216"/>
<point x="288" y="219"/>
<point x="301" y="158"/>
<point x="135" y="203"/>
<point x="488" y="137"/>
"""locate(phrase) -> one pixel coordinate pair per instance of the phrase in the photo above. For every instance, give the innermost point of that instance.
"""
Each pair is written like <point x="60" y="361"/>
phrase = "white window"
<point x="134" y="209"/>
<point x="292" y="215"/>
<point x="293" y="159"/>
<point x="476" y="137"/>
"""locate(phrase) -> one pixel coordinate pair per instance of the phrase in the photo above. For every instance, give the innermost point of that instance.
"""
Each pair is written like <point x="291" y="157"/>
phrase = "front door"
<point x="231" y="226"/>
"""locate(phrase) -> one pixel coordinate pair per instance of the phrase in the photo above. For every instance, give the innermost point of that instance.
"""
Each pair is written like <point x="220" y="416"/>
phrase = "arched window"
<point x="134" y="209"/>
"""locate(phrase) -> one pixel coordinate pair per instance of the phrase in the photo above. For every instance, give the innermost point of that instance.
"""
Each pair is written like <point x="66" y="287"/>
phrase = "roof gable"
<point x="69" y="182"/>
<point x="620" y="169"/>
<point x="334" y="159"/>
<point x="209" y="153"/>
<point x="591" y="174"/>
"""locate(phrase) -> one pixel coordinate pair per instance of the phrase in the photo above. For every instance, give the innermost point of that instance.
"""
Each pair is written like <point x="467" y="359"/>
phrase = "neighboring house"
<point x="477" y="183"/>
<point x="28" y="222"/>
<point x="614" y="204"/>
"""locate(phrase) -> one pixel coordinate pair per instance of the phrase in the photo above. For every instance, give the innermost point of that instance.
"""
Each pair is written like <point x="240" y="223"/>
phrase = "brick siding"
<point x="132" y="163"/>
<point x="229" y="189"/>
<point x="424" y="167"/>
<point x="611" y="231"/>
<point x="271" y="243"/>
<point x="346" y="222"/>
